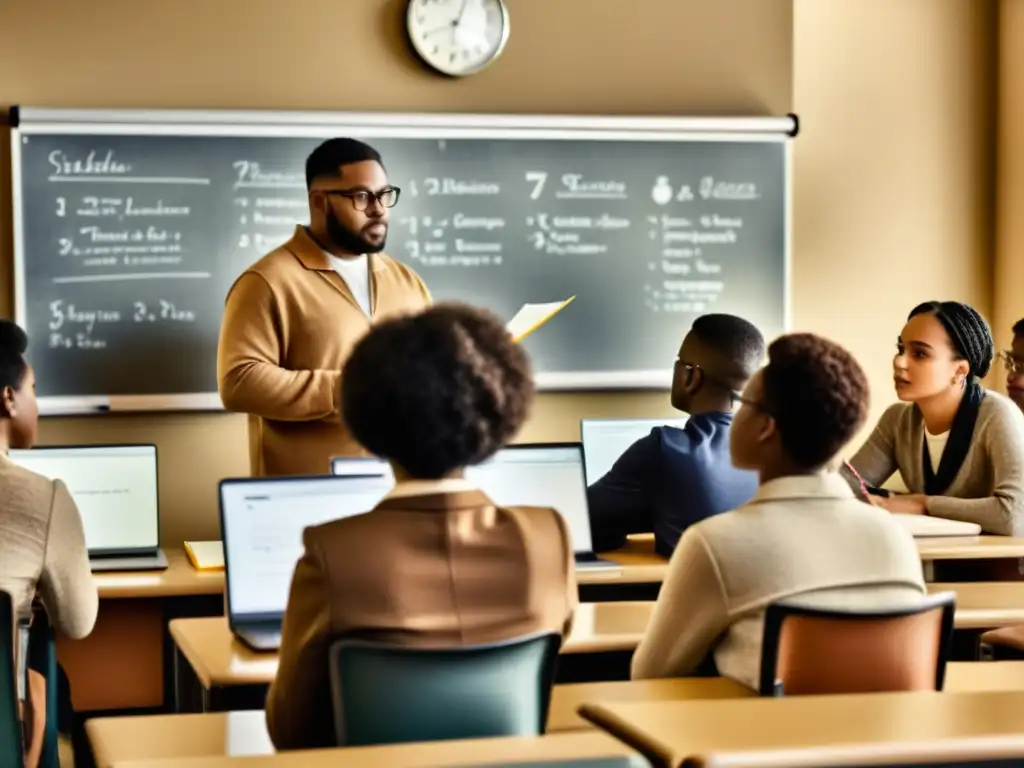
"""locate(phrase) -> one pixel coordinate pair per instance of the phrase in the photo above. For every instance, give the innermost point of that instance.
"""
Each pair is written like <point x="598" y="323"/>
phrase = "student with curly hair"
<point x="803" y="535"/>
<point x="958" y="447"/>
<point x="436" y="563"/>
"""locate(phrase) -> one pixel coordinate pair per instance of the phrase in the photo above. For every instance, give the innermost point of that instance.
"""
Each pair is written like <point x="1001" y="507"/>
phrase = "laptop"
<point x="605" y="440"/>
<point x="115" y="490"/>
<point x="262" y="520"/>
<point x="342" y="465"/>
<point x="548" y="475"/>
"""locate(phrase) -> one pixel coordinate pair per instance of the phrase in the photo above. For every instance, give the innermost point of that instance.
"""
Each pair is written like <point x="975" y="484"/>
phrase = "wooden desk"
<point x="985" y="604"/>
<point x="244" y="733"/>
<point x="118" y="739"/>
<point x="122" y="664"/>
<point x="669" y="732"/>
<point x="970" y="547"/>
<point x="180" y="579"/>
<point x="562" y="746"/>
<point x="208" y="651"/>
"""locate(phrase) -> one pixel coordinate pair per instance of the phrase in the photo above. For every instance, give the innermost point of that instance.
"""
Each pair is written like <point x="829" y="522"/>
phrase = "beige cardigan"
<point x="803" y="538"/>
<point x="42" y="548"/>
<point x="290" y="323"/>
<point x="988" y="489"/>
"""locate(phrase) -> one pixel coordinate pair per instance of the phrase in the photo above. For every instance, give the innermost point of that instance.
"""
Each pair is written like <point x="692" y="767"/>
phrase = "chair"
<point x="818" y="651"/>
<point x="385" y="694"/>
<point x="11" y="746"/>
<point x="42" y="656"/>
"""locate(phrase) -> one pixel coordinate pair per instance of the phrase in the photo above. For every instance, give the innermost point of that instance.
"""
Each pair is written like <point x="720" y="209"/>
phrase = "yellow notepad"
<point x="532" y="316"/>
<point x="205" y="555"/>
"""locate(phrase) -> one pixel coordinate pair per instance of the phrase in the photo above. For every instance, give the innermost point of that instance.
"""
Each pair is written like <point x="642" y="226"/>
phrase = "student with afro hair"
<point x="958" y="447"/>
<point x="803" y="536"/>
<point x="436" y="563"/>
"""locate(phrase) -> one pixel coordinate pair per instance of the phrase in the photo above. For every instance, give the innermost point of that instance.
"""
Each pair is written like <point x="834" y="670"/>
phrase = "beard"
<point x="347" y="240"/>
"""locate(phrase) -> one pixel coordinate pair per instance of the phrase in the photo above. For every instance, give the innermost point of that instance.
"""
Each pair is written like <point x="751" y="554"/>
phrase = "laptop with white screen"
<point x="548" y="475"/>
<point x="605" y="440"/>
<point x="341" y="465"/>
<point x="262" y="520"/>
<point x="115" y="490"/>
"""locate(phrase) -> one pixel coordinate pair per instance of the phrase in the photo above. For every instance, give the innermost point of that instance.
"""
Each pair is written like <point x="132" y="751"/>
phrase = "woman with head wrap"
<point x="958" y="447"/>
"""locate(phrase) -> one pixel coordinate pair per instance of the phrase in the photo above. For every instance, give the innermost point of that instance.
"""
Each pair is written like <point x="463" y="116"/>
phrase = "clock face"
<point x="458" y="37"/>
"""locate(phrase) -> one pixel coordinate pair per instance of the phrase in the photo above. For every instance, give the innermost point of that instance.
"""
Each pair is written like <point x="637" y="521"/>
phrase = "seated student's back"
<point x="436" y="563"/>
<point x="673" y="478"/>
<point x="42" y="540"/>
<point x="804" y="536"/>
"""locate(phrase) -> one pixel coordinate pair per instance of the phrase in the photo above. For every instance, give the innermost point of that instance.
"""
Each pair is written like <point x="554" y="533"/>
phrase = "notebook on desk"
<point x="262" y="520"/>
<point x="605" y="440"/>
<point x="543" y="475"/>
<point x="115" y="490"/>
<point x="923" y="526"/>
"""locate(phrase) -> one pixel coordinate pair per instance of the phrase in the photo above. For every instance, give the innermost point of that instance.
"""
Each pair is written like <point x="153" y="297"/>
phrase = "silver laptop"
<point x="548" y="475"/>
<point x="115" y="490"/>
<point x="261" y="522"/>
<point x="605" y="440"/>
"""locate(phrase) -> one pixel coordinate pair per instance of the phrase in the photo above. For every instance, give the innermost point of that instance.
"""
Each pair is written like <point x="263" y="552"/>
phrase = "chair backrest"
<point x="385" y="694"/>
<point x="11" y="747"/>
<point x="42" y="652"/>
<point x="818" y="651"/>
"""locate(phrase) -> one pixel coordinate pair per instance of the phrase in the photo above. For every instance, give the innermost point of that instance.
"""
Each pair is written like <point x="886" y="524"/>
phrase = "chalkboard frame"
<point x="25" y="121"/>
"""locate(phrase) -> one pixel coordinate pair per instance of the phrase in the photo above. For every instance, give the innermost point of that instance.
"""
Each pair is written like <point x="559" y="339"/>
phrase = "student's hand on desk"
<point x="905" y="503"/>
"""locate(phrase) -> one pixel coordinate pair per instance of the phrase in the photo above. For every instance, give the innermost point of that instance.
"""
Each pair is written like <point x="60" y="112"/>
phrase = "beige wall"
<point x="1009" y="266"/>
<point x="893" y="168"/>
<point x="584" y="56"/>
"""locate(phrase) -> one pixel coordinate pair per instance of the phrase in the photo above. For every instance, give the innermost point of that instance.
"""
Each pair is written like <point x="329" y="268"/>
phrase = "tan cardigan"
<point x="800" y="537"/>
<point x="290" y="323"/>
<point x="42" y="549"/>
<point x="988" y="489"/>
<point x="440" y="569"/>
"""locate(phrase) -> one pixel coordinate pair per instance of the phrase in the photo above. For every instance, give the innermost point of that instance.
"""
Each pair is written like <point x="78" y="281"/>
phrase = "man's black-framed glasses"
<point x="735" y="397"/>
<point x="1014" y="365"/>
<point x="387" y="197"/>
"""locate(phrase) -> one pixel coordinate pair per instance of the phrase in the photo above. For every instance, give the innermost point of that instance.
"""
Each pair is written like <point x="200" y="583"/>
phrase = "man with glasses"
<point x="291" y="319"/>
<point x="1013" y="359"/>
<point x="673" y="478"/>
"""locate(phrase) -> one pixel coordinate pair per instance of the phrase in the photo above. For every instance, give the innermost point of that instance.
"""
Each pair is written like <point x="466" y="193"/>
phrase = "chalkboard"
<point x="130" y="227"/>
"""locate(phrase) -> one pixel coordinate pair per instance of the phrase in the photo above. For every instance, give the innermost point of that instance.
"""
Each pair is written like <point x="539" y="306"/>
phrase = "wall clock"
<point x="457" y="37"/>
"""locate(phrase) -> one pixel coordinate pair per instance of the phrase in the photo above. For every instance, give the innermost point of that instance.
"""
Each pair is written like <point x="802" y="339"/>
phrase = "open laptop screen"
<point x="262" y="520"/>
<point x="341" y="465"/>
<point x="114" y="488"/>
<point x="605" y="440"/>
<point x="539" y="476"/>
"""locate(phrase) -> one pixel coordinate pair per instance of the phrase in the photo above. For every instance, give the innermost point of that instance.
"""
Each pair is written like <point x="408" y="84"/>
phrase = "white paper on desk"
<point x="530" y="317"/>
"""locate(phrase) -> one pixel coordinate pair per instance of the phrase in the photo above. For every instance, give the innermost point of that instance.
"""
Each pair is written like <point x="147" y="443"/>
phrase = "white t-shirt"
<point x="936" y="445"/>
<point x="356" y="274"/>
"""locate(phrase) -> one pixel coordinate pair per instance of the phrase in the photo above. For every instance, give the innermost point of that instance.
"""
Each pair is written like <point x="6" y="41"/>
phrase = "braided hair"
<point x="968" y="331"/>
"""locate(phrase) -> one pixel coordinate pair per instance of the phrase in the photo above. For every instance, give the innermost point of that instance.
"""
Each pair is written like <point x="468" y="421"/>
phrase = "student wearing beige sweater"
<point x="42" y="541"/>
<point x="958" y="447"/>
<point x="804" y="537"/>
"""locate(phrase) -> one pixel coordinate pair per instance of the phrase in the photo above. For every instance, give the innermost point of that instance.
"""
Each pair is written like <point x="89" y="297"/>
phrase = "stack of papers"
<point x="532" y="316"/>
<point x="205" y="555"/>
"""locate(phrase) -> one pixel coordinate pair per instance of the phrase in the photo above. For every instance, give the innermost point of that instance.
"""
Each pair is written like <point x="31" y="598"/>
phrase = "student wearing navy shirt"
<point x="674" y="478"/>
